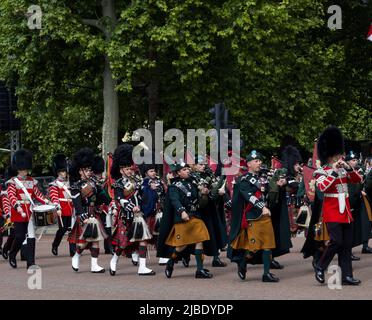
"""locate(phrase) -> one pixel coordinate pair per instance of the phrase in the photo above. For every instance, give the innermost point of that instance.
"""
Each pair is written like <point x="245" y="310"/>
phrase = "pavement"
<point x="59" y="281"/>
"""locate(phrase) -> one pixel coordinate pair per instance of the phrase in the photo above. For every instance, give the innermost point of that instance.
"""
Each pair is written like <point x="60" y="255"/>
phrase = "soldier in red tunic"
<point x="6" y="212"/>
<point x="22" y="191"/>
<point x="332" y="179"/>
<point x="60" y="194"/>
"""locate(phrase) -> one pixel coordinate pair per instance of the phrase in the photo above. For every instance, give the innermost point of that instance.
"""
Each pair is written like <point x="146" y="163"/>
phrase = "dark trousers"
<point x="341" y="242"/>
<point x="8" y="243"/>
<point x="20" y="231"/>
<point x="61" y="230"/>
<point x="2" y="220"/>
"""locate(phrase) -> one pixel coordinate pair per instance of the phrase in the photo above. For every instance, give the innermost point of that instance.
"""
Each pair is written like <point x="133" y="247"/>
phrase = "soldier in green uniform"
<point x="181" y="226"/>
<point x="212" y="212"/>
<point x="283" y="201"/>
<point x="361" y="224"/>
<point x="251" y="226"/>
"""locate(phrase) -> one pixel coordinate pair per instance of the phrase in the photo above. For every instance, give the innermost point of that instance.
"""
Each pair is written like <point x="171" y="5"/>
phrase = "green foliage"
<point x="275" y="64"/>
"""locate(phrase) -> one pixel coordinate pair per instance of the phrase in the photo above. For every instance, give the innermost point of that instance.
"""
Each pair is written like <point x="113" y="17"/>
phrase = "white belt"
<point x="335" y="195"/>
<point x="66" y="200"/>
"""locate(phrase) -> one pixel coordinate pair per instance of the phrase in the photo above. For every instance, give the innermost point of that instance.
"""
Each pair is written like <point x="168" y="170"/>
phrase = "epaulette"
<point x="320" y="171"/>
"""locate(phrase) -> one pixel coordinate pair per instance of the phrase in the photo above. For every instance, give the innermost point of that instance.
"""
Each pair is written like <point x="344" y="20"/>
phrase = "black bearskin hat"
<point x="22" y="160"/>
<point x="83" y="158"/>
<point x="98" y="166"/>
<point x="330" y="143"/>
<point x="290" y="156"/>
<point x="122" y="157"/>
<point x="59" y="163"/>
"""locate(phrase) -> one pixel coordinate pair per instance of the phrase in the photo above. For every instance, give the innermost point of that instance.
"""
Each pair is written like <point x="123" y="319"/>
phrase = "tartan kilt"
<point x="76" y="232"/>
<point x="120" y="238"/>
<point x="293" y="213"/>
<point x="151" y="221"/>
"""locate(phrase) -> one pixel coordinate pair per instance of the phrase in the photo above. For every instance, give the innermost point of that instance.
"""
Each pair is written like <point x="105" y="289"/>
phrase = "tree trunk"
<point x="153" y="96"/>
<point x="110" y="96"/>
<point x="153" y="99"/>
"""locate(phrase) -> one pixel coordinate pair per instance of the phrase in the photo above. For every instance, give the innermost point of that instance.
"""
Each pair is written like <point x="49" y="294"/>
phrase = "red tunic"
<point x="60" y="197"/>
<point x="332" y="186"/>
<point x="17" y="196"/>
<point x="4" y="203"/>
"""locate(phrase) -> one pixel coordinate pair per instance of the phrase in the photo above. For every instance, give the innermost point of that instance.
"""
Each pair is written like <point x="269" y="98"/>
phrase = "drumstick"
<point x="60" y="219"/>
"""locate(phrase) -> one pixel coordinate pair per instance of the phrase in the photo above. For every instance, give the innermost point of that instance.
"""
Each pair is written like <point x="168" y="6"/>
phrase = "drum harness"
<point x="26" y="193"/>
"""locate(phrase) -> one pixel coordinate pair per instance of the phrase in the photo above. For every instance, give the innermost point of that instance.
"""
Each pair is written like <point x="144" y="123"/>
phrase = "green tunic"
<point x="279" y="214"/>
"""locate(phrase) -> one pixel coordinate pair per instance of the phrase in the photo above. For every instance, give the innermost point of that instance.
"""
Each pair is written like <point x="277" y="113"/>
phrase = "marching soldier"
<point x="283" y="187"/>
<point x="251" y="227"/>
<point x="105" y="214"/>
<point x="332" y="179"/>
<point x="213" y="218"/>
<point x="153" y="192"/>
<point x="22" y="191"/>
<point x="6" y="210"/>
<point x="182" y="227"/>
<point x="60" y="195"/>
<point x="88" y="229"/>
<point x="131" y="231"/>
<point x="361" y="224"/>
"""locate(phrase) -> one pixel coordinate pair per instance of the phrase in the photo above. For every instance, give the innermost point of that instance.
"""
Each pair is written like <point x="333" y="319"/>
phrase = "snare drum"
<point x="43" y="215"/>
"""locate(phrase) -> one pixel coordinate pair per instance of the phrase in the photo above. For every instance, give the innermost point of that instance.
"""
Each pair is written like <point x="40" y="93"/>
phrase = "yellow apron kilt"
<point x="321" y="232"/>
<point x="258" y="236"/>
<point x="189" y="232"/>
<point x="368" y="208"/>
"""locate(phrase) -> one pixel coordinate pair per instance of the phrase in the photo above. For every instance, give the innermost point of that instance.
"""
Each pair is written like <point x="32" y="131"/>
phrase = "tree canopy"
<point x="275" y="64"/>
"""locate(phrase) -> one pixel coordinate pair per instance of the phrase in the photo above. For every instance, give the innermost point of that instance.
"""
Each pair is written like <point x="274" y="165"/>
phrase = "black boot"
<point x="276" y="265"/>
<point x="7" y="246"/>
<point x="242" y="269"/>
<point x="16" y="246"/>
<point x="203" y="274"/>
<point x="269" y="277"/>
<point x="367" y="250"/>
<point x="169" y="268"/>
<point x="351" y="281"/>
<point x="31" y="244"/>
<point x="186" y="260"/>
<point x="319" y="274"/>
<point x="354" y="258"/>
<point x="218" y="263"/>
<point x="55" y="251"/>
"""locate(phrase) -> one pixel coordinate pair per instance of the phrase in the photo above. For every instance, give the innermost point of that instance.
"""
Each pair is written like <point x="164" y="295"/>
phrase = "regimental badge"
<point x="252" y="180"/>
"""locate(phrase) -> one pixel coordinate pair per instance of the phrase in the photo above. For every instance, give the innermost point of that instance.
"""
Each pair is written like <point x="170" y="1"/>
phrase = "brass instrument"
<point x="7" y="225"/>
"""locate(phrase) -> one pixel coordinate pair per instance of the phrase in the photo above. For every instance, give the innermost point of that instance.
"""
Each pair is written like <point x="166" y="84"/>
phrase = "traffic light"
<point x="221" y="116"/>
<point x="221" y="121"/>
<point x="8" y="104"/>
